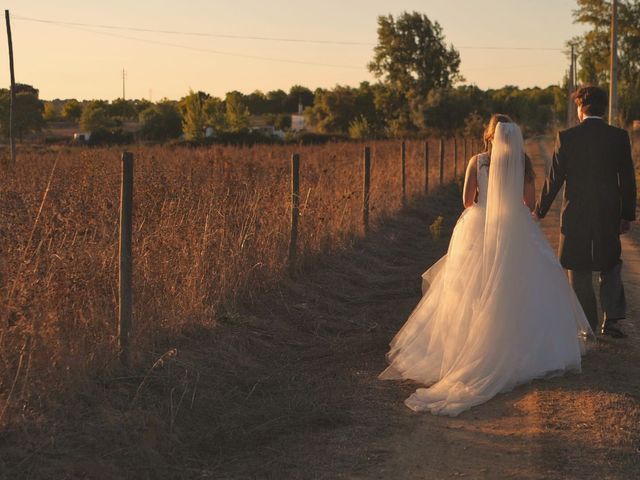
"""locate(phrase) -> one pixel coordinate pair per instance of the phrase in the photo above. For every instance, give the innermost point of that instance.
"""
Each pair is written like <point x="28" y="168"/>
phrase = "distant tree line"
<point x="419" y="91"/>
<point x="354" y="112"/>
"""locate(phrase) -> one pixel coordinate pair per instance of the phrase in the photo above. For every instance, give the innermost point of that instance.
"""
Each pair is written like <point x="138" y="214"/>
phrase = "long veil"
<point x="504" y="201"/>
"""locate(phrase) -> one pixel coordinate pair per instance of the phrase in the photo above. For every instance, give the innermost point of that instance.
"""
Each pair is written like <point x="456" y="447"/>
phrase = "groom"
<point x="594" y="162"/>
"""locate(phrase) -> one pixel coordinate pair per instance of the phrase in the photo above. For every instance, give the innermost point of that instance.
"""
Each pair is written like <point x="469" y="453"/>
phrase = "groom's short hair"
<point x="593" y="100"/>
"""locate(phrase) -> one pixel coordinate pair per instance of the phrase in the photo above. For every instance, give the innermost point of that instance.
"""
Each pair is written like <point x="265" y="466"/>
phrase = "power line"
<point x="548" y="49"/>
<point x="504" y="67"/>
<point x="216" y="52"/>
<point x="195" y="34"/>
<point x="257" y="38"/>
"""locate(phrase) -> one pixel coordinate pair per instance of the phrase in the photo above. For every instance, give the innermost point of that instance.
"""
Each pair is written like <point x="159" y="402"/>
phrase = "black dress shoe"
<point x="612" y="331"/>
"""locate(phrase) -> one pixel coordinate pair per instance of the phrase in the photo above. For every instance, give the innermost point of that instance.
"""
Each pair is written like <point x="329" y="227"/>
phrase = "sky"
<point x="86" y="61"/>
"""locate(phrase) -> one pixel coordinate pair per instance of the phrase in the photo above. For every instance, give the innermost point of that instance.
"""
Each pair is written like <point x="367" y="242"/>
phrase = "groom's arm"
<point x="554" y="180"/>
<point x="627" y="181"/>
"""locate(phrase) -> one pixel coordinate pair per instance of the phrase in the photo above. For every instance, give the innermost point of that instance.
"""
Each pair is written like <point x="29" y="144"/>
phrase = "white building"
<point x="81" y="136"/>
<point x="297" y="122"/>
<point x="297" y="119"/>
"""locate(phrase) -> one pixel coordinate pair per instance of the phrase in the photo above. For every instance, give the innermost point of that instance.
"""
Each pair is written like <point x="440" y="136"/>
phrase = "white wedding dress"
<point x="497" y="309"/>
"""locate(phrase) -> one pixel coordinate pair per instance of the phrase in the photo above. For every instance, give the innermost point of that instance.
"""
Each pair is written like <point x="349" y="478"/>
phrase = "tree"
<point x="72" y="110"/>
<point x="334" y="111"/>
<point x="257" y="102"/>
<point x="282" y="121"/>
<point x="193" y="115"/>
<point x="216" y="112"/>
<point x="95" y="116"/>
<point x="360" y="129"/>
<point x="161" y="121"/>
<point x="533" y="108"/>
<point x="276" y="101"/>
<point x="297" y="94"/>
<point x="122" y="109"/>
<point x="445" y="110"/>
<point x="473" y="125"/>
<point x="142" y="104"/>
<point x="395" y="111"/>
<point x="237" y="114"/>
<point x="411" y="59"/>
<point x="51" y="112"/>
<point x="411" y="54"/>
<point x="28" y="111"/>
<point x="25" y="88"/>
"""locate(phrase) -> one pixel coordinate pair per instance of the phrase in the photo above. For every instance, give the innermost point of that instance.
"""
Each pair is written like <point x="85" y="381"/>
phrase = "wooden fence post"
<point x="403" y="176"/>
<point x="295" y="207"/>
<point x="366" y="183"/>
<point x="125" y="273"/>
<point x="12" y="103"/>
<point x="426" y="167"/>
<point x="441" y="162"/>
<point x="465" y="152"/>
<point x="455" y="158"/>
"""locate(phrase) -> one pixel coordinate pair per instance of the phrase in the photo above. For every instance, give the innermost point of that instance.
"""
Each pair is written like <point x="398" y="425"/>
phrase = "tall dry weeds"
<point x="210" y="230"/>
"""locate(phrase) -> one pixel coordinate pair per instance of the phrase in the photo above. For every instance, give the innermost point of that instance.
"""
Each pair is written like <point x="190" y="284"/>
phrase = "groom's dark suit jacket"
<point x="594" y="160"/>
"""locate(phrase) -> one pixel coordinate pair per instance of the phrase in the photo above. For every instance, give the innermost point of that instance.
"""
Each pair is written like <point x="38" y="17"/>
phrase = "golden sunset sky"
<point x="63" y="48"/>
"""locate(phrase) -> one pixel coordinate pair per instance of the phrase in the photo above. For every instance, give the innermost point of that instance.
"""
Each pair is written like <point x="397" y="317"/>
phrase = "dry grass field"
<point x="210" y="230"/>
<point x="242" y="370"/>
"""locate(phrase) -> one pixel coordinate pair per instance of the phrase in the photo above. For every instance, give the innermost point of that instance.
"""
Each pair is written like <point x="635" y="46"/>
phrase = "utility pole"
<point x="12" y="106"/>
<point x="575" y="67"/>
<point x="123" y="76"/>
<point x="571" y="110"/>
<point x="613" y="71"/>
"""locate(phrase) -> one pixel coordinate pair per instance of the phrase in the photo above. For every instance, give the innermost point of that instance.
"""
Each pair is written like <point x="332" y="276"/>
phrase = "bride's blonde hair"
<point x="490" y="131"/>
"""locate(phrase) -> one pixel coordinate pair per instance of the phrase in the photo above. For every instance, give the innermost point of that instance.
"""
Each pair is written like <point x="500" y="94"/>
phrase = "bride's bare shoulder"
<point x="473" y="164"/>
<point x="475" y="159"/>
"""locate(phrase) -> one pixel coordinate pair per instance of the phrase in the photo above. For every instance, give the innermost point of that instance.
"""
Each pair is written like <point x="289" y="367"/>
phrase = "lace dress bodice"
<point x="482" y="175"/>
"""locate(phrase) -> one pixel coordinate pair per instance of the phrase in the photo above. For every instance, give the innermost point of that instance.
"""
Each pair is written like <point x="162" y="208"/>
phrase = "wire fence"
<point x="105" y="254"/>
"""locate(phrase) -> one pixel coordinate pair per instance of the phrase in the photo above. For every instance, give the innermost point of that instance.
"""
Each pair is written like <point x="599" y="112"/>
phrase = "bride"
<point x="497" y="310"/>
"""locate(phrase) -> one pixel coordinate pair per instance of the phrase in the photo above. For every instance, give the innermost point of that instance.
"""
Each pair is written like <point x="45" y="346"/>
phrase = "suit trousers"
<point x="612" y="299"/>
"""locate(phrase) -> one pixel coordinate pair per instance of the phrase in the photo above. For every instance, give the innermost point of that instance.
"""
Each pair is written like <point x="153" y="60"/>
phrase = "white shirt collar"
<point x="591" y="116"/>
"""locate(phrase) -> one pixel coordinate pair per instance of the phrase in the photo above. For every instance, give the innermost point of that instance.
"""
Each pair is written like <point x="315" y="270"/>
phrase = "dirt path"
<point x="579" y="426"/>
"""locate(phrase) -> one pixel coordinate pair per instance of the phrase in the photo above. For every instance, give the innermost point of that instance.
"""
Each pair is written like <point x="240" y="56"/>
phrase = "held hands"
<point x="534" y="214"/>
